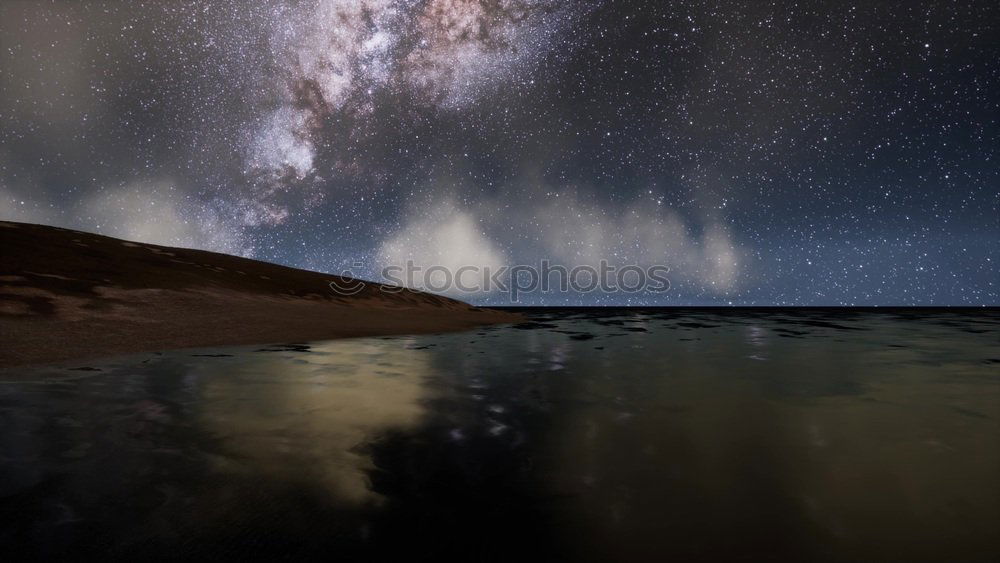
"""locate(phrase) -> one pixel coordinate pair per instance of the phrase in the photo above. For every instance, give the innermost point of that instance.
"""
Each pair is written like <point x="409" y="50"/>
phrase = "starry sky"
<point x="768" y="152"/>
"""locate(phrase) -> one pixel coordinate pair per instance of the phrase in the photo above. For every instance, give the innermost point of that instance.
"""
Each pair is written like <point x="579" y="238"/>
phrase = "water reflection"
<point x="310" y="429"/>
<point x="624" y="435"/>
<point x="206" y="447"/>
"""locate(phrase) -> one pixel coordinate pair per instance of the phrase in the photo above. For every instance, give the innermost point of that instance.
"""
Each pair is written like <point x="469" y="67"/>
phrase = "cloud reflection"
<point x="308" y="420"/>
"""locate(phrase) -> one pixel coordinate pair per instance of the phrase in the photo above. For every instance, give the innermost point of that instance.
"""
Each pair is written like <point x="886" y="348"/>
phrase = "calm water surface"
<point x="630" y="435"/>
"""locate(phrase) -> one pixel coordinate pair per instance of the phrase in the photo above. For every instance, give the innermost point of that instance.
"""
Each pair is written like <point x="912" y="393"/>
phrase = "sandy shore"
<point x="67" y="295"/>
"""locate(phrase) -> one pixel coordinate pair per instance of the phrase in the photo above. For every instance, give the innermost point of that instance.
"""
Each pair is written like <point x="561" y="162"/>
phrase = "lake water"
<point x="628" y="435"/>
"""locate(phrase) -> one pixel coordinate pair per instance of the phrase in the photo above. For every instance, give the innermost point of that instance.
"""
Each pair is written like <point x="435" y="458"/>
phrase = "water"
<point x="628" y="435"/>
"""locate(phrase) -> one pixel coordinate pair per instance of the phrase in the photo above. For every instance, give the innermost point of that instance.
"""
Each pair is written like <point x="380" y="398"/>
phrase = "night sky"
<point x="769" y="153"/>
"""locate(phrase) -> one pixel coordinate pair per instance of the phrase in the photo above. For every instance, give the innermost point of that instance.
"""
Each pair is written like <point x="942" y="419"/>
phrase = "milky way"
<point x="333" y="58"/>
<point x="767" y="152"/>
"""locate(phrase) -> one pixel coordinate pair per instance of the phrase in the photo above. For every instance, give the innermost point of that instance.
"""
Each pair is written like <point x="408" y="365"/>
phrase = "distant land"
<point x="70" y="295"/>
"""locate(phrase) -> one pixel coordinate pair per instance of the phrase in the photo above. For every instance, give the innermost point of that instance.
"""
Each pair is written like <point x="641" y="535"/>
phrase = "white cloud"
<point x="155" y="212"/>
<point x="450" y="238"/>
<point x="570" y="231"/>
<point x="576" y="232"/>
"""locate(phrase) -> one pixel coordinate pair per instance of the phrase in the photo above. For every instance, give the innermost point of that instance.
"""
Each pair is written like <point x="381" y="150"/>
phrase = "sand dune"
<point x="70" y="295"/>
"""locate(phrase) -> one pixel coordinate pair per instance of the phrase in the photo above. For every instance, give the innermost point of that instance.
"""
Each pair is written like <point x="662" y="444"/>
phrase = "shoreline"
<point x="30" y="343"/>
<point x="68" y="295"/>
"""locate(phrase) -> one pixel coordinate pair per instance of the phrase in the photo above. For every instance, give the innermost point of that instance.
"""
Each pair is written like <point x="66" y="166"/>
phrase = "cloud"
<point x="14" y="207"/>
<point x="448" y="237"/>
<point x="156" y="213"/>
<point x="21" y="195"/>
<point x="570" y="230"/>
<point x="577" y="232"/>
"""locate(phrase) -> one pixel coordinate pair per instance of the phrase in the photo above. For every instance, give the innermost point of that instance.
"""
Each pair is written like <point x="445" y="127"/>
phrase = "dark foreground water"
<point x="629" y="435"/>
